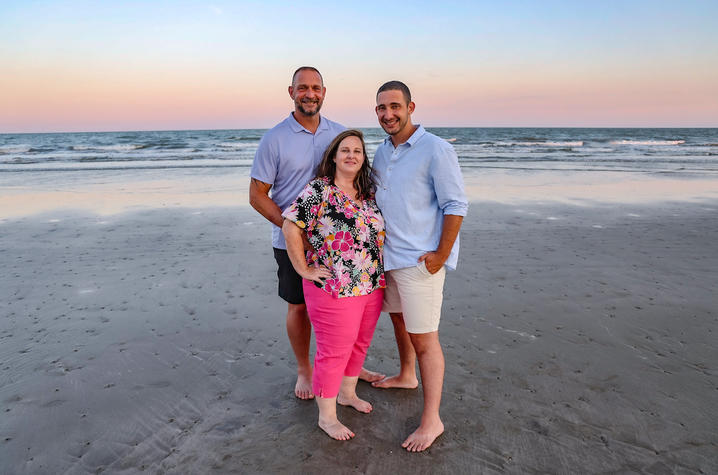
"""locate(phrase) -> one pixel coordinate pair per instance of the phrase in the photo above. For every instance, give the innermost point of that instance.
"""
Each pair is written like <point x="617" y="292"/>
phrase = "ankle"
<point x="304" y="370"/>
<point x="347" y="395"/>
<point x="407" y="375"/>
<point x="429" y="420"/>
<point x="327" y="419"/>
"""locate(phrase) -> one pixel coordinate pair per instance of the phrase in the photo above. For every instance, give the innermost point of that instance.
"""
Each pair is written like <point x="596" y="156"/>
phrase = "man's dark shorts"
<point x="290" y="283"/>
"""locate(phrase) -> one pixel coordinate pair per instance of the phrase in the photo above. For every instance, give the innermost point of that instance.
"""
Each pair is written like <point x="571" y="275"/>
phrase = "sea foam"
<point x="648" y="142"/>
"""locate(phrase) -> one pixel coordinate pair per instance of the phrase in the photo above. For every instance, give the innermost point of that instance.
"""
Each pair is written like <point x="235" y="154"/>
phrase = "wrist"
<point x="442" y="254"/>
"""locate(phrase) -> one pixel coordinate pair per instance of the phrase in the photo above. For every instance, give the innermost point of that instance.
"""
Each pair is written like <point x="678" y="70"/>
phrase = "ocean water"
<point x="647" y="150"/>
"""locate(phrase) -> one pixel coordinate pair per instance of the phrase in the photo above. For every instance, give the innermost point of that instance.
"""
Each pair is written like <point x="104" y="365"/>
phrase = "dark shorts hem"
<point x="290" y="283"/>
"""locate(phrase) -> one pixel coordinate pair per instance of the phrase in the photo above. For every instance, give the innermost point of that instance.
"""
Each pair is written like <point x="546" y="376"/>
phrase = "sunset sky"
<point x="143" y="65"/>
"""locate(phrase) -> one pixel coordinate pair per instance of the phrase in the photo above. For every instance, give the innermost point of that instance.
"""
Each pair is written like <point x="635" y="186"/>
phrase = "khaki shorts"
<point x="417" y="294"/>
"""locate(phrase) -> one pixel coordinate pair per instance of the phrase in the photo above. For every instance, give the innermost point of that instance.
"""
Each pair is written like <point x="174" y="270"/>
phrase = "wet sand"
<point x="578" y="339"/>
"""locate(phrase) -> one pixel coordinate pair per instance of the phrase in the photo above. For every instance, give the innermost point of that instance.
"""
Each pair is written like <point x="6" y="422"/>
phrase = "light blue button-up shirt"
<point x="287" y="158"/>
<point x="418" y="183"/>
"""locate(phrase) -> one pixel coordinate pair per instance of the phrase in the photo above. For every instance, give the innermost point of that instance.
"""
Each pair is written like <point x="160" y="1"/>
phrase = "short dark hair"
<point x="396" y="86"/>
<point x="364" y="181"/>
<point x="306" y="68"/>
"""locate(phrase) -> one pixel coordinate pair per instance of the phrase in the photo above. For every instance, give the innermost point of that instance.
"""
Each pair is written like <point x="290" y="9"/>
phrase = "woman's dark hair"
<point x="364" y="181"/>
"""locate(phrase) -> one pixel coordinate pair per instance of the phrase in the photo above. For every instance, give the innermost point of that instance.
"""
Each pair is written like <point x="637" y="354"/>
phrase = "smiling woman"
<point x="343" y="272"/>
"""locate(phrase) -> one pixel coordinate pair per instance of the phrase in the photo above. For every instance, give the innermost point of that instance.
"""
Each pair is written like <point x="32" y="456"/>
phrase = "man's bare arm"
<point x="449" y="232"/>
<point x="260" y="200"/>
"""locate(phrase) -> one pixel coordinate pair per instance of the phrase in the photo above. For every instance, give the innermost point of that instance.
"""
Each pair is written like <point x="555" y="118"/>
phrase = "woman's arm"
<point x="295" y="249"/>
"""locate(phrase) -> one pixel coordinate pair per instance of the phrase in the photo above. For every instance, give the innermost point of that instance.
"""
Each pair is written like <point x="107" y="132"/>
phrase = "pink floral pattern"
<point x="347" y="237"/>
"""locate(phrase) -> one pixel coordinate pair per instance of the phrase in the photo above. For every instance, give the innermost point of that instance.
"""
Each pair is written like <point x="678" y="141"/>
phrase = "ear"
<point x="411" y="107"/>
<point x="376" y="109"/>
<point x="290" y="89"/>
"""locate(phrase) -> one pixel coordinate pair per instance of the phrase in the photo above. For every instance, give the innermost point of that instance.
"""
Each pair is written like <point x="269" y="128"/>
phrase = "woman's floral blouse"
<point x="347" y="237"/>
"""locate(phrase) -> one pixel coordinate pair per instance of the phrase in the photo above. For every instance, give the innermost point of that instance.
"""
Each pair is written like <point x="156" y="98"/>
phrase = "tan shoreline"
<point x="577" y="339"/>
<point x="109" y="192"/>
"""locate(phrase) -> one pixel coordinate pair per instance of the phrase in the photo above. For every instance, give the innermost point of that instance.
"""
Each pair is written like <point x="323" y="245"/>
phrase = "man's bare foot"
<point x="303" y="388"/>
<point x="423" y="437"/>
<point x="370" y="376"/>
<point x="354" y="401"/>
<point x="397" y="381"/>
<point x="336" y="430"/>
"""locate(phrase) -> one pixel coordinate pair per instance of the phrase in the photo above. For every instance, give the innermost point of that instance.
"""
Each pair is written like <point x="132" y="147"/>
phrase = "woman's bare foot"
<point x="354" y="401"/>
<point x="303" y="388"/>
<point x="423" y="437"/>
<point x="335" y="429"/>
<point x="370" y="376"/>
<point x="398" y="381"/>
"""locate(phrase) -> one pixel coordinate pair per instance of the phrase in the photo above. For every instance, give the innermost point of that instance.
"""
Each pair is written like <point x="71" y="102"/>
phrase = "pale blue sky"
<point x="484" y="63"/>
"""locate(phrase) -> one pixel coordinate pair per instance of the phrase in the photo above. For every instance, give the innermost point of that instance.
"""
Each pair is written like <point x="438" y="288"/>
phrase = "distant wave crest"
<point x="14" y="149"/>
<point x="236" y="145"/>
<point x="648" y="142"/>
<point x="109" y="148"/>
<point x="573" y="143"/>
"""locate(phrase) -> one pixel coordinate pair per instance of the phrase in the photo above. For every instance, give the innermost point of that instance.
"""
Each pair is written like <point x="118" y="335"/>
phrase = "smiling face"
<point x="350" y="156"/>
<point x="307" y="91"/>
<point x="393" y="112"/>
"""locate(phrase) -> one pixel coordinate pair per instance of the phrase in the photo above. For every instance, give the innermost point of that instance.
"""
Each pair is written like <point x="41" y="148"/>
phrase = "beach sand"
<point x="578" y="339"/>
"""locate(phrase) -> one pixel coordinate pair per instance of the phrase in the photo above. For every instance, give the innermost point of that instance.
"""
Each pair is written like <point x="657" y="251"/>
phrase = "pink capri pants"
<point x="343" y="328"/>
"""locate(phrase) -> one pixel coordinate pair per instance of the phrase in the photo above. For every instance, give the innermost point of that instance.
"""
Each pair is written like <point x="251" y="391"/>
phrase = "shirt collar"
<point x="413" y="139"/>
<point x="297" y="127"/>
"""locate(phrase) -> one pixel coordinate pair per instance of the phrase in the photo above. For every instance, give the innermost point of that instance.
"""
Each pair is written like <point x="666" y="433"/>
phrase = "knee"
<point x="424" y="343"/>
<point x="421" y="350"/>
<point x="296" y="310"/>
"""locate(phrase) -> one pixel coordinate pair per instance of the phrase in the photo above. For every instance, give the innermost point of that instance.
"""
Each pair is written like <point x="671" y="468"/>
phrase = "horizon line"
<point x="363" y="127"/>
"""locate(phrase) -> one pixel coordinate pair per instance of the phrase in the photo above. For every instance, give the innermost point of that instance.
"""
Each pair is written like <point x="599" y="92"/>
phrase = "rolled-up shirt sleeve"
<point x="448" y="183"/>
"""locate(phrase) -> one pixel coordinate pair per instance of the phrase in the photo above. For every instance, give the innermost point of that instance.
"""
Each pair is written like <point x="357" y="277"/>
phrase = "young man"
<point x="421" y="195"/>
<point x="285" y="162"/>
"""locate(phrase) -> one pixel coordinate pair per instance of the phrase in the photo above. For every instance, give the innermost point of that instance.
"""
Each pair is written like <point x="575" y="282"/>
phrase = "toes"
<point x="345" y="434"/>
<point x="413" y="445"/>
<point x="372" y="377"/>
<point x="303" y="394"/>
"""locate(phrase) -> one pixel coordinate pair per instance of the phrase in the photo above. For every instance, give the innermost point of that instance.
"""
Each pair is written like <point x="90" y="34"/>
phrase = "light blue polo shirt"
<point x="287" y="158"/>
<point x="418" y="183"/>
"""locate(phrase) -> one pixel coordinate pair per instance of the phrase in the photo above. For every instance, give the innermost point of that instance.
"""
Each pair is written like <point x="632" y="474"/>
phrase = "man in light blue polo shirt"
<point x="286" y="160"/>
<point x="421" y="195"/>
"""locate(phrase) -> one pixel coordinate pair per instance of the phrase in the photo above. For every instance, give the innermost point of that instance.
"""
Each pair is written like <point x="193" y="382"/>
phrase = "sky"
<point x="171" y="65"/>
